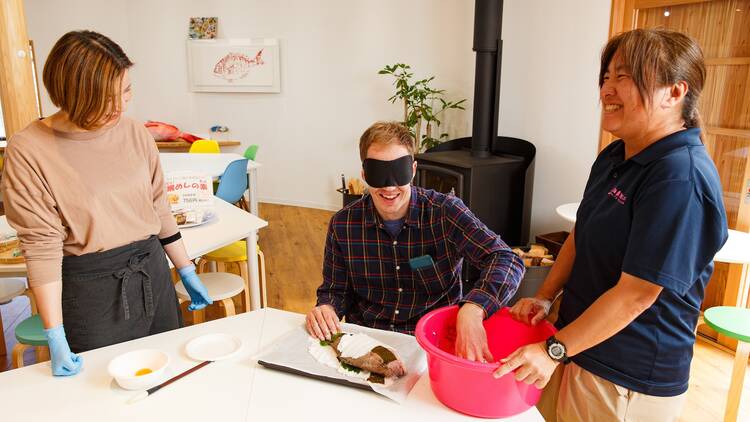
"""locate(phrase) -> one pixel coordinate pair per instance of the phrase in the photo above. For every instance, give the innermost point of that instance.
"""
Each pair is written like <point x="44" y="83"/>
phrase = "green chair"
<point x="30" y="333"/>
<point x="733" y="322"/>
<point x="250" y="152"/>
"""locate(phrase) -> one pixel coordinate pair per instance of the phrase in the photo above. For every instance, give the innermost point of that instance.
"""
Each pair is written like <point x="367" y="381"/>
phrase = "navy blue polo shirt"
<point x="658" y="216"/>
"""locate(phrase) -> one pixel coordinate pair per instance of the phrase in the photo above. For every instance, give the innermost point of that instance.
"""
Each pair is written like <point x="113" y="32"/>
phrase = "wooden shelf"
<point x="647" y="4"/>
<point x="739" y="133"/>
<point x="728" y="61"/>
<point x="171" y="146"/>
<point x="178" y="146"/>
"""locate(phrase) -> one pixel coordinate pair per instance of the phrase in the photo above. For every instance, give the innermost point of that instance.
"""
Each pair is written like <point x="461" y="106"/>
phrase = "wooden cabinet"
<point x="722" y="27"/>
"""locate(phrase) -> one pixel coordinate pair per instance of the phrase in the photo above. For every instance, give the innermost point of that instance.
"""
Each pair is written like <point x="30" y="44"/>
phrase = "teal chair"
<point x="250" y="152"/>
<point x="733" y="322"/>
<point x="30" y="333"/>
<point x="233" y="182"/>
<point x="231" y="189"/>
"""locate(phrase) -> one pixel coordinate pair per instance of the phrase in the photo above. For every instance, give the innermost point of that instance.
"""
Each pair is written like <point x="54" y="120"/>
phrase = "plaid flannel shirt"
<point x="367" y="276"/>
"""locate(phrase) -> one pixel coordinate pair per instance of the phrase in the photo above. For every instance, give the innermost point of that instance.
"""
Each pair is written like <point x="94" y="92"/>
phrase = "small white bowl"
<point x="123" y="368"/>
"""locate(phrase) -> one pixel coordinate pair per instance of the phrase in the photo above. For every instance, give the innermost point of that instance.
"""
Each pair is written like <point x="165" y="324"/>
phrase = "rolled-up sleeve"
<point x="501" y="269"/>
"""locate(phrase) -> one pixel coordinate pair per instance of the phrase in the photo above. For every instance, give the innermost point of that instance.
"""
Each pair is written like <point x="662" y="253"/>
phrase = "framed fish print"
<point x="234" y="65"/>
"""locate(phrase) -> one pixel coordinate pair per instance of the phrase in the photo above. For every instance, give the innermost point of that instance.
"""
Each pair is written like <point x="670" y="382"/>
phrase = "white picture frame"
<point x="234" y="65"/>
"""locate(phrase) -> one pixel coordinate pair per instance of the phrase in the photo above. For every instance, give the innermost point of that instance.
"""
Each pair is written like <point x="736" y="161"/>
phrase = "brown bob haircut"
<point x="385" y="133"/>
<point x="82" y="75"/>
<point x="658" y="58"/>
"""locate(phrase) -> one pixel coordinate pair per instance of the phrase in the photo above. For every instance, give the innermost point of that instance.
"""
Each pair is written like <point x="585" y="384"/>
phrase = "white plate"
<point x="208" y="220"/>
<point x="213" y="347"/>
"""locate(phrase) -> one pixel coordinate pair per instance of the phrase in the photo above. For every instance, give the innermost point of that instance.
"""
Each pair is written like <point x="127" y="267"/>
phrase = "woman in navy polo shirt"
<point x="635" y="268"/>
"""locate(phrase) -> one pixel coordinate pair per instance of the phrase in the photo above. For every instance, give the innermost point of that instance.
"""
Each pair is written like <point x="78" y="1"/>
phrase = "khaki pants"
<point x="576" y="395"/>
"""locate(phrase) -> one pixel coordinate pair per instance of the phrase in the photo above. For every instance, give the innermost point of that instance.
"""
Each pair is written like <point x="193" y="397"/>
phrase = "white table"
<point x="233" y="390"/>
<point x="735" y="251"/>
<point x="568" y="211"/>
<point x="213" y="165"/>
<point x="232" y="224"/>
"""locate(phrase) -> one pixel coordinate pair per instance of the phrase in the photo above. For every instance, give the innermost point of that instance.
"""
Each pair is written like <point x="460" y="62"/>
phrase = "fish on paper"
<point x="235" y="66"/>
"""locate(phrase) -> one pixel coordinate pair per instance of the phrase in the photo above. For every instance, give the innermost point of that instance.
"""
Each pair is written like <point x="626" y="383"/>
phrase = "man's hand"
<point x="322" y="321"/>
<point x="530" y="310"/>
<point x="471" y="338"/>
<point x="531" y="363"/>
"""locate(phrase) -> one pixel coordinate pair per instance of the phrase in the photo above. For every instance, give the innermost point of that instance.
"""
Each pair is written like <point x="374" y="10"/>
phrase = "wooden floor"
<point x="293" y="246"/>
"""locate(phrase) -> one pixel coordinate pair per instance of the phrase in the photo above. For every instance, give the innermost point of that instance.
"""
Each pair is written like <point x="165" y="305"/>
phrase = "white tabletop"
<point x="568" y="211"/>
<point x="211" y="164"/>
<point x="231" y="224"/>
<point x="234" y="390"/>
<point x="735" y="251"/>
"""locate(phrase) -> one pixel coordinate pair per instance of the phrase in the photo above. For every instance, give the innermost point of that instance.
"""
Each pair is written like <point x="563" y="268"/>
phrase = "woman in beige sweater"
<point x="85" y="191"/>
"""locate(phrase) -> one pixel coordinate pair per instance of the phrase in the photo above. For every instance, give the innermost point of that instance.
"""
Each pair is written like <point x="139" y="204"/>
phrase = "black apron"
<point x="118" y="295"/>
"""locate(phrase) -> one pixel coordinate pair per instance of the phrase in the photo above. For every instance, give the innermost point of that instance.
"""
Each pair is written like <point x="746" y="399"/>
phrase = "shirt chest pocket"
<point x="429" y="279"/>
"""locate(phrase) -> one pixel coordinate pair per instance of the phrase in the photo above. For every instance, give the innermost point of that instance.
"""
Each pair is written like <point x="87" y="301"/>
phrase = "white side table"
<point x="735" y="251"/>
<point x="568" y="211"/>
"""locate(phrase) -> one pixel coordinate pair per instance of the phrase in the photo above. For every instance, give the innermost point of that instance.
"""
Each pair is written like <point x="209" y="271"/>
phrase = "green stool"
<point x="733" y="322"/>
<point x="30" y="333"/>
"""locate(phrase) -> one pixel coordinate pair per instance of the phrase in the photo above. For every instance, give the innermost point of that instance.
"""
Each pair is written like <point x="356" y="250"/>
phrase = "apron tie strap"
<point x="136" y="265"/>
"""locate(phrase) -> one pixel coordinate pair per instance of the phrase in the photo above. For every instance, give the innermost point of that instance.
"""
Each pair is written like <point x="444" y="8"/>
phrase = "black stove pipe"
<point x="488" y="18"/>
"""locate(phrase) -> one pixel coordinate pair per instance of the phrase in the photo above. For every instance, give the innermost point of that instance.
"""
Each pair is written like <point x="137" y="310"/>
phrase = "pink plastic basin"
<point x="468" y="386"/>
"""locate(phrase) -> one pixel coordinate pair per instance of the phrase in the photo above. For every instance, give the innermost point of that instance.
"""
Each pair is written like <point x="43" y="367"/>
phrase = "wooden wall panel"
<point x="722" y="28"/>
<point x="718" y="26"/>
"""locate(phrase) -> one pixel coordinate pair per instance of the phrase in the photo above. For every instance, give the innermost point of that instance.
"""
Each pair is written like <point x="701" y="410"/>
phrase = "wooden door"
<point x="722" y="27"/>
<point x="17" y="87"/>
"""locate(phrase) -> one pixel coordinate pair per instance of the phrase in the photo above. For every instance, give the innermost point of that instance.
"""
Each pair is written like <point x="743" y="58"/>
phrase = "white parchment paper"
<point x="291" y="351"/>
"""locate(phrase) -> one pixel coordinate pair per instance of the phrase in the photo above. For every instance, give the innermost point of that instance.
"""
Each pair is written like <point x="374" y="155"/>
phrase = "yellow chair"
<point x="237" y="253"/>
<point x="204" y="146"/>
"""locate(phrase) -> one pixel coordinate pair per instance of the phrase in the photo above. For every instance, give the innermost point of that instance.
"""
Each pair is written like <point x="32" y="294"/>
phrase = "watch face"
<point x="556" y="351"/>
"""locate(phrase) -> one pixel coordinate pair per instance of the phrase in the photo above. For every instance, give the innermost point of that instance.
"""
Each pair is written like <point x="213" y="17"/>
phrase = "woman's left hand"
<point x="199" y="297"/>
<point x="531" y="363"/>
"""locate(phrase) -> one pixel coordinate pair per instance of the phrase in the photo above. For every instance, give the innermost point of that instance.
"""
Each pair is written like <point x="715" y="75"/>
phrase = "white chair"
<point x="220" y="286"/>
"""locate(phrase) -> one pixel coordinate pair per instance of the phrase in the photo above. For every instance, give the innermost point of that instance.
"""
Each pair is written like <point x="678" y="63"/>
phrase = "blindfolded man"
<point x="397" y="253"/>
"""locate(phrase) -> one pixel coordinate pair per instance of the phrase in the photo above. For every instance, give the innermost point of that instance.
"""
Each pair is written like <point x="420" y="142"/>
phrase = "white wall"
<point x="331" y="52"/>
<point x="549" y="95"/>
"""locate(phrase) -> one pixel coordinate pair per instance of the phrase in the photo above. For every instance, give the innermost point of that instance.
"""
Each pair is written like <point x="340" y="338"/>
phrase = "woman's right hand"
<point x="531" y="310"/>
<point x="64" y="362"/>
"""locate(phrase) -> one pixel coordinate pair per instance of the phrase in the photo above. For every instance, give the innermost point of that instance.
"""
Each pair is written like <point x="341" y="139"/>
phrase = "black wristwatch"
<point x="557" y="351"/>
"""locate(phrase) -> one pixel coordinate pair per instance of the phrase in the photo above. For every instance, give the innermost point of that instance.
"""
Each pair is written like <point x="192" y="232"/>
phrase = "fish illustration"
<point x="235" y="66"/>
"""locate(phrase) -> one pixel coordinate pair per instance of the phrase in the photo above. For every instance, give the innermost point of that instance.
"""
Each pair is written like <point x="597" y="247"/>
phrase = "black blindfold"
<point x="380" y="174"/>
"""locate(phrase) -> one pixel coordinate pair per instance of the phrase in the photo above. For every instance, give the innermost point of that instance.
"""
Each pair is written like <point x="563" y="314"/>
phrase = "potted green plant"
<point x="423" y="105"/>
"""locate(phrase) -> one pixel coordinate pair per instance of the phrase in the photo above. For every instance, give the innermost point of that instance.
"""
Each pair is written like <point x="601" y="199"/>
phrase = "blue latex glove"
<point x="64" y="362"/>
<point x="199" y="298"/>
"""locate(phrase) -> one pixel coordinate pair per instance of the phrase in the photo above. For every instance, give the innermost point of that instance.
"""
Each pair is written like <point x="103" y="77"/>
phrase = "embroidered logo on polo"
<point x="618" y="195"/>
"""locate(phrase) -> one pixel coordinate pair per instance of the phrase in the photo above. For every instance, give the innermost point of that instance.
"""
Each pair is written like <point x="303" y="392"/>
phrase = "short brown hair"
<point x="82" y="75"/>
<point x="385" y="133"/>
<point x="657" y="58"/>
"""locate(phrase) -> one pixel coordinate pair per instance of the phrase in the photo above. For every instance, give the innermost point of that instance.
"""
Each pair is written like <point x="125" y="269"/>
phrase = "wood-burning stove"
<point x="492" y="174"/>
